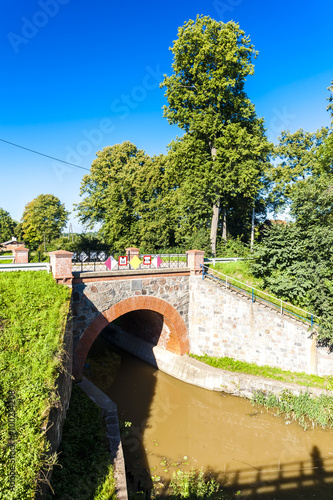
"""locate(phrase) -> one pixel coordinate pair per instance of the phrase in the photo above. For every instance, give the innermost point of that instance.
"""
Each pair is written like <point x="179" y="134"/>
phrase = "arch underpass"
<point x="170" y="326"/>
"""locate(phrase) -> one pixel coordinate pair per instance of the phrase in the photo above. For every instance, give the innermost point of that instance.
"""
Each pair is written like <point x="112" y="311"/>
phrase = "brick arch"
<point x="178" y="342"/>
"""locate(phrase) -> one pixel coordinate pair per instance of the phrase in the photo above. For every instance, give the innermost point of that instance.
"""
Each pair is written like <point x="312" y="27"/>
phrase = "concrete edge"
<point x="112" y="431"/>
<point x="197" y="373"/>
<point x="130" y="272"/>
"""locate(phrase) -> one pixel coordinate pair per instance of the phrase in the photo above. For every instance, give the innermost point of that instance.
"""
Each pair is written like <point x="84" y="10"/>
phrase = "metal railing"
<point x="259" y="296"/>
<point x="7" y="257"/>
<point x="90" y="261"/>
<point x="32" y="266"/>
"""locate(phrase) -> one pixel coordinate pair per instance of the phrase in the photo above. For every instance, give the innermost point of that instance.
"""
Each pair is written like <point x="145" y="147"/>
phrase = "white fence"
<point x="32" y="266"/>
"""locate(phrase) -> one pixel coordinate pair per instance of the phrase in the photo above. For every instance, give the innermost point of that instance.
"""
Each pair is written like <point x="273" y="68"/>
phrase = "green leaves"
<point x="206" y="98"/>
<point x="129" y="193"/>
<point x="43" y="216"/>
<point x="211" y="62"/>
<point x="7" y="226"/>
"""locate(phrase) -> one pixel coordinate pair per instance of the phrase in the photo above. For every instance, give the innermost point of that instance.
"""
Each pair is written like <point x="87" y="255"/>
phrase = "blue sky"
<point x="79" y="75"/>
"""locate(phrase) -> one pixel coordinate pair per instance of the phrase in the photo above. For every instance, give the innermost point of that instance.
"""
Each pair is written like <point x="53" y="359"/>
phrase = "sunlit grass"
<point x="266" y="371"/>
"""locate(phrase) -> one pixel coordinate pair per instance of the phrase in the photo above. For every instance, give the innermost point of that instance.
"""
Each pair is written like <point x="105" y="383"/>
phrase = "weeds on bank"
<point x="239" y="270"/>
<point x="303" y="408"/>
<point x="84" y="469"/>
<point x="193" y="485"/>
<point x="266" y="371"/>
<point x="33" y="310"/>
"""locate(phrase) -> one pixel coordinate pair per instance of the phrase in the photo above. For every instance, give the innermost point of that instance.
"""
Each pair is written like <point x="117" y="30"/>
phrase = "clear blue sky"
<point x="79" y="75"/>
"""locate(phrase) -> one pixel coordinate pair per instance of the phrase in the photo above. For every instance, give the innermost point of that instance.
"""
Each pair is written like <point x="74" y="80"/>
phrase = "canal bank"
<point x="195" y="372"/>
<point x="180" y="426"/>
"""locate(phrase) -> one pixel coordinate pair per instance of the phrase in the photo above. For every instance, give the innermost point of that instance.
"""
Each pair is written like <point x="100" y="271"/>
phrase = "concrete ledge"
<point x="195" y="372"/>
<point x="132" y="272"/>
<point x="112" y="431"/>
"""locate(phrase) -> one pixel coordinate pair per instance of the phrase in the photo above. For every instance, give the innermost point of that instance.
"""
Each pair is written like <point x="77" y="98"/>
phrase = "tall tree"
<point x="126" y="192"/>
<point x="207" y="99"/>
<point x="7" y="226"/>
<point x="43" y="219"/>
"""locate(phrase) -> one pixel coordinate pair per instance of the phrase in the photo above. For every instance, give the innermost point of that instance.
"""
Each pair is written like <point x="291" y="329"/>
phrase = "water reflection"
<point x="176" y="425"/>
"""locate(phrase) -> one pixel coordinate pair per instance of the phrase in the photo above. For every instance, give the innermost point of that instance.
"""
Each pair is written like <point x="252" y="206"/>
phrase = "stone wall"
<point x="224" y="323"/>
<point x="90" y="298"/>
<point x="195" y="372"/>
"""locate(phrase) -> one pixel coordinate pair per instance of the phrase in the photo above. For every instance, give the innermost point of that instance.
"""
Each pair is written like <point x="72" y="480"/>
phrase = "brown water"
<point x="176" y="425"/>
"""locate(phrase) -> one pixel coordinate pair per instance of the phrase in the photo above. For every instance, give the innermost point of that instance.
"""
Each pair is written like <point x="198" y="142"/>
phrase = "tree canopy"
<point x="43" y="217"/>
<point x="295" y="260"/>
<point x="126" y="192"/>
<point x="206" y="98"/>
<point x="7" y="226"/>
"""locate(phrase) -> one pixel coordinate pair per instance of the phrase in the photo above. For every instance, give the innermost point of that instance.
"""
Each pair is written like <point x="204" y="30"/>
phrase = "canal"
<point x="174" y="425"/>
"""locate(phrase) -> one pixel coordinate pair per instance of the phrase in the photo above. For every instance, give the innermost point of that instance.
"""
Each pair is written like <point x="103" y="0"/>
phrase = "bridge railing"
<point x="90" y="261"/>
<point x="260" y="296"/>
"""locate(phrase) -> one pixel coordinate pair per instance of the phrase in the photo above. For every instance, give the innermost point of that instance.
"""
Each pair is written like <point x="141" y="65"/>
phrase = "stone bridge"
<point x="179" y="311"/>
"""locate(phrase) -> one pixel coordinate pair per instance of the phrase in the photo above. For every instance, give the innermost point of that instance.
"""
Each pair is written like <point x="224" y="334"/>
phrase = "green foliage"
<point x="303" y="408"/>
<point x="226" y="152"/>
<point x="295" y="260"/>
<point x="233" y="247"/>
<point x="43" y="216"/>
<point x="7" y="226"/>
<point x="195" y="485"/>
<point x="240" y="270"/>
<point x="127" y="192"/>
<point x="84" y="469"/>
<point x="33" y="311"/>
<point x="298" y="160"/>
<point x="266" y="371"/>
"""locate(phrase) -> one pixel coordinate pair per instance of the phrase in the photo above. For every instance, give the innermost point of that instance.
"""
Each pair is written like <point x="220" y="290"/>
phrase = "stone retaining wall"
<point x="195" y="372"/>
<point x="225" y="323"/>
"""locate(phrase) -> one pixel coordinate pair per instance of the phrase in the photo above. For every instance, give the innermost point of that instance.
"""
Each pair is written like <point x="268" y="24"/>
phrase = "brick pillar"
<point x="21" y="255"/>
<point x="194" y="259"/>
<point x="61" y="263"/>
<point x="131" y="252"/>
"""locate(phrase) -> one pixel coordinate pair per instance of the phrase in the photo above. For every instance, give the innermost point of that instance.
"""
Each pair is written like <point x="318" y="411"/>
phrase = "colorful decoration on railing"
<point x="122" y="260"/>
<point x="157" y="261"/>
<point x="147" y="260"/>
<point x="111" y="263"/>
<point x="135" y="262"/>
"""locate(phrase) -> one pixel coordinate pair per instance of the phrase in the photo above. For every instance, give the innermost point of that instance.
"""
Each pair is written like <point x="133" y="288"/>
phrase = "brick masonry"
<point x="163" y="303"/>
<point x="224" y="323"/>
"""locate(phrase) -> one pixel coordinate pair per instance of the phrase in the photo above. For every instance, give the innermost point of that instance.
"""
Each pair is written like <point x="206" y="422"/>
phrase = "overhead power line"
<point x="42" y="154"/>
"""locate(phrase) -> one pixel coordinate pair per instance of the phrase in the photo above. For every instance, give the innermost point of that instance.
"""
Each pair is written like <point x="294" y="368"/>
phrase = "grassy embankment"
<point x="33" y="310"/>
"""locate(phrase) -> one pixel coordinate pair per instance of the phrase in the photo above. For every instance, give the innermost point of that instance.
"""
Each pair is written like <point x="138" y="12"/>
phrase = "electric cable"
<point x="42" y="154"/>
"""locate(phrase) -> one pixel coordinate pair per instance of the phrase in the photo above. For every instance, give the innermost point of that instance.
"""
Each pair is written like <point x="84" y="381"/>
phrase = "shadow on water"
<point x="297" y="480"/>
<point x="302" y="480"/>
<point x="133" y="403"/>
<point x="132" y="387"/>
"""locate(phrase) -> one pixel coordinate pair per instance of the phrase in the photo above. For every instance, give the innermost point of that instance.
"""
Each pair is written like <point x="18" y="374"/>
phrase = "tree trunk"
<point x="224" y="224"/>
<point x="252" y="230"/>
<point x="214" y="225"/>
<point x="216" y="209"/>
